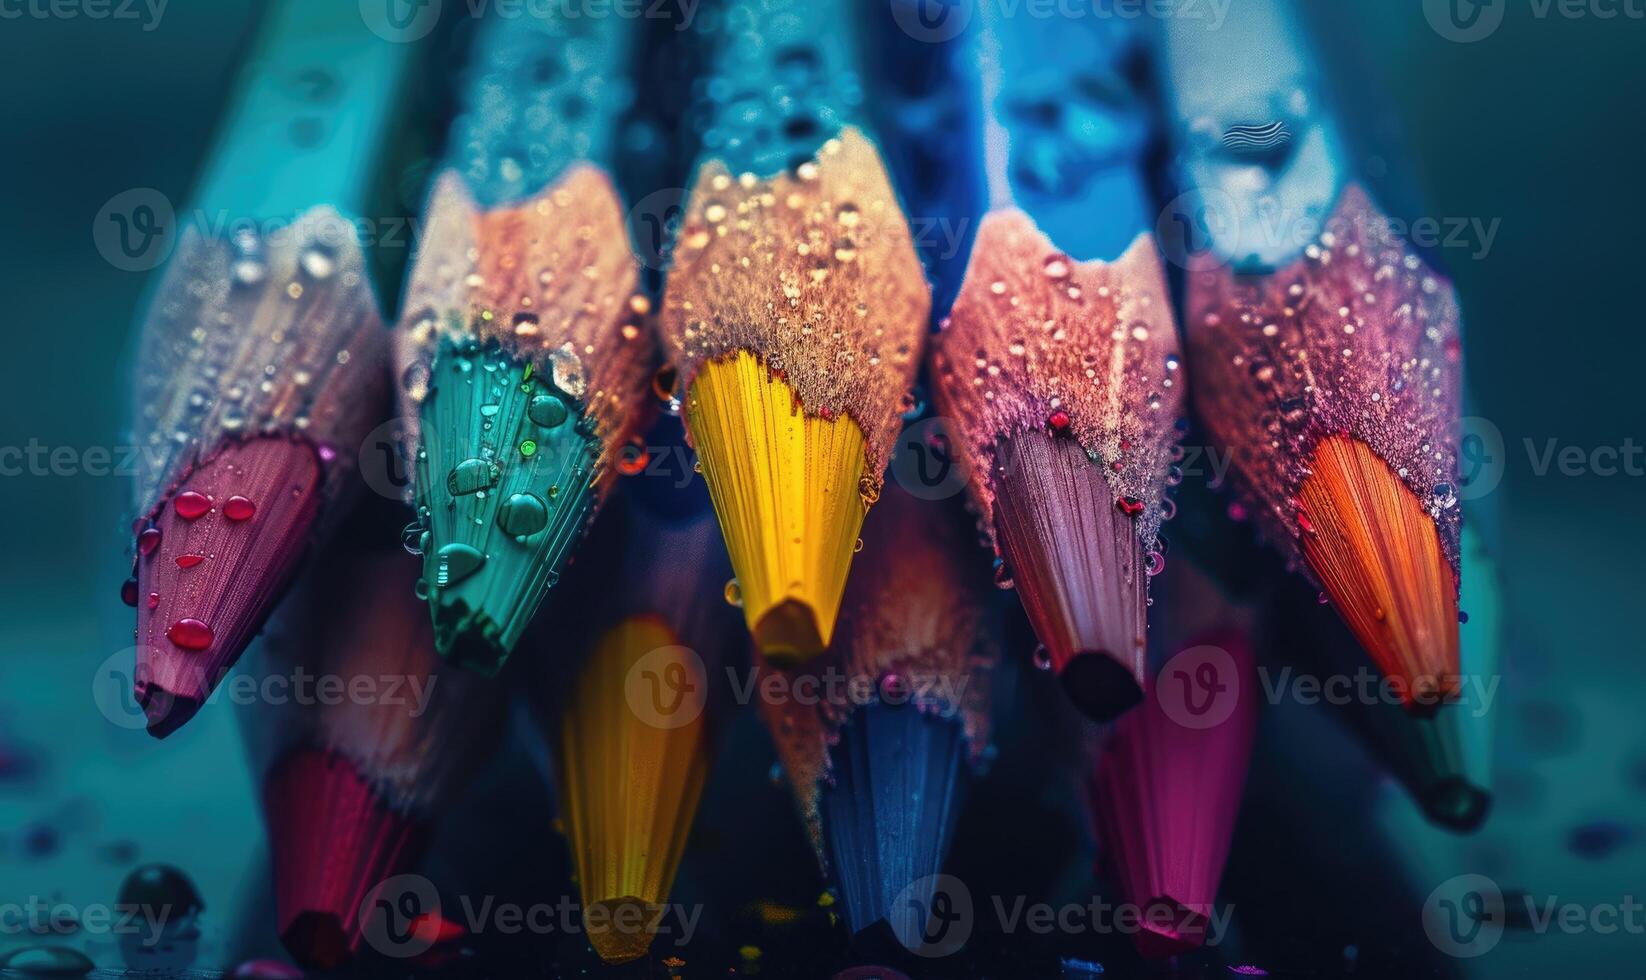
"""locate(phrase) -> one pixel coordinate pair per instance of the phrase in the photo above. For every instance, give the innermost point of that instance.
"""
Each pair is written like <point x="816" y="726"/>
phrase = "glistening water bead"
<point x="522" y="514"/>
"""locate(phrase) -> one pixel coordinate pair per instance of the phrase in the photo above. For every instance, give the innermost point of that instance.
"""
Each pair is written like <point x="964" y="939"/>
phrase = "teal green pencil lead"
<point x="525" y="365"/>
<point x="505" y="491"/>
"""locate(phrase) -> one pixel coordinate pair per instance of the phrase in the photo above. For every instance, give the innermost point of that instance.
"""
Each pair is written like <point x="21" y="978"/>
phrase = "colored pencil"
<point x="927" y="108"/>
<point x="521" y="352"/>
<point x="353" y="787"/>
<point x="1442" y="759"/>
<point x="1059" y="363"/>
<point x="1170" y="775"/>
<point x="262" y="355"/>
<point x="1327" y="364"/>
<point x="793" y="313"/>
<point x="879" y="759"/>
<point x="636" y="728"/>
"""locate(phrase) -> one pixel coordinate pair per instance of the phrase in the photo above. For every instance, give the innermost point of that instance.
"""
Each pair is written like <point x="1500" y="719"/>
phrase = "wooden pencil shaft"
<point x="317" y="106"/>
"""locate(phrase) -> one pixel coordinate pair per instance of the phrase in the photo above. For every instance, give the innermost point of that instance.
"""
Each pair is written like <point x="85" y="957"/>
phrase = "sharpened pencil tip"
<point x="620" y="929"/>
<point x="316" y="940"/>
<point x="790" y="492"/>
<point x="1457" y="805"/>
<point x="1378" y="554"/>
<point x="1099" y="684"/>
<point x="166" y="712"/>
<point x="1078" y="567"/>
<point x="788" y="632"/>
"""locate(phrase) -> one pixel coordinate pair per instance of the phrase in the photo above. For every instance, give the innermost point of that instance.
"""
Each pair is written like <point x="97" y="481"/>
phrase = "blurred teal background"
<point x="1539" y="126"/>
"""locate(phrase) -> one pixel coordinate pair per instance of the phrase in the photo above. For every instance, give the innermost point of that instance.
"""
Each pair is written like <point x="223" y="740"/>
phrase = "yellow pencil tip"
<point x="620" y="929"/>
<point x="633" y="757"/>
<point x="790" y="492"/>
<point x="789" y="631"/>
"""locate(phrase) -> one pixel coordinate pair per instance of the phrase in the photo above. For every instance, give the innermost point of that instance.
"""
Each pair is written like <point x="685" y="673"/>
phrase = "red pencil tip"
<point x="166" y="711"/>
<point x="223" y="547"/>
<point x="317" y="940"/>
<point x="332" y="839"/>
<point x="1078" y="567"/>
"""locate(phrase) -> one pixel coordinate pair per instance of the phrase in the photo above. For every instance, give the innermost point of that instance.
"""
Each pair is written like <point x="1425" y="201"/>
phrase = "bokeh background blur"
<point x="1536" y="131"/>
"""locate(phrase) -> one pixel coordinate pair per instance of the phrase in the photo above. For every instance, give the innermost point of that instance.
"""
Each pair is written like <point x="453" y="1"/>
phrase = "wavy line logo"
<point x="1257" y="139"/>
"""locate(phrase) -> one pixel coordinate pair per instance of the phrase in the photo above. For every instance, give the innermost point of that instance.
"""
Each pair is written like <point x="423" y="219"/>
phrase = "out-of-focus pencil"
<point x="1059" y="362"/>
<point x="794" y="312"/>
<point x="521" y="353"/>
<point x="879" y="759"/>
<point x="262" y="358"/>
<point x="1170" y="775"/>
<point x="1327" y="363"/>
<point x="352" y="788"/>
<point x="635" y="730"/>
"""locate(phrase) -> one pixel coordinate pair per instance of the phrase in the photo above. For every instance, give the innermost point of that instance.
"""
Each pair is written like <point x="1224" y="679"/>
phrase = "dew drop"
<point x="191" y="505"/>
<point x="733" y="593"/>
<point x="238" y="508"/>
<point x="190" y="634"/>
<point x="471" y="476"/>
<point x="522" y="514"/>
<point x="455" y="562"/>
<point x="317" y="263"/>
<point x="546" y="411"/>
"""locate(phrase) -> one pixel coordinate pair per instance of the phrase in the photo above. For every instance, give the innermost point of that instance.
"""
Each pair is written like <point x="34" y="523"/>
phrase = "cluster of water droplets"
<point x="1357" y="337"/>
<point x="248" y="336"/>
